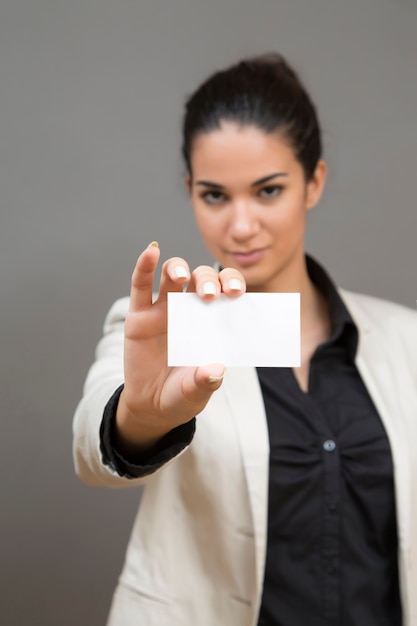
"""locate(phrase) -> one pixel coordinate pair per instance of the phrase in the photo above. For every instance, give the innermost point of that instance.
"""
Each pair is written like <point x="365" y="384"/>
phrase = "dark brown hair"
<point x="263" y="91"/>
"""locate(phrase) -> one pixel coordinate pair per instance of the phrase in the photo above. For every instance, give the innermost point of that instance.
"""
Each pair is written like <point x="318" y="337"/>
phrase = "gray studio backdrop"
<point x="91" y="93"/>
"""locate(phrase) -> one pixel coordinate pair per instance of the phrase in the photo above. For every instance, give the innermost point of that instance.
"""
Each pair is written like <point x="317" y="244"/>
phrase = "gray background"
<point x="91" y="95"/>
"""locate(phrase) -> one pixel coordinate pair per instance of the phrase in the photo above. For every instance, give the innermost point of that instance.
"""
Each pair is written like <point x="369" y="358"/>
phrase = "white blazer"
<point x="197" y="550"/>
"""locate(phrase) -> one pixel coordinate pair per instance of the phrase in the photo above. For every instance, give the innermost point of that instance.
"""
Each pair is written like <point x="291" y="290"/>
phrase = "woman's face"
<point x="250" y="200"/>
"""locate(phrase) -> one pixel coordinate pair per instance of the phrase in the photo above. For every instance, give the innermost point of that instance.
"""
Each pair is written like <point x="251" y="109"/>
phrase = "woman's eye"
<point x="213" y="197"/>
<point x="271" y="191"/>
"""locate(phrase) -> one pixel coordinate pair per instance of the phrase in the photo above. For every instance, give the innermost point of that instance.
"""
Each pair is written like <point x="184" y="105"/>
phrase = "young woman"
<point x="273" y="496"/>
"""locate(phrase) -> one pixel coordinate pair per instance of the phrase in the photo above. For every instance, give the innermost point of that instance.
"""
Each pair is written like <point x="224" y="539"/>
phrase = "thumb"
<point x="198" y="387"/>
<point x="210" y="375"/>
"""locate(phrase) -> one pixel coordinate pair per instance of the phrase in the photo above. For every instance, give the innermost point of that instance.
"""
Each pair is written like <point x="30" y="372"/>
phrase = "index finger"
<point x="142" y="278"/>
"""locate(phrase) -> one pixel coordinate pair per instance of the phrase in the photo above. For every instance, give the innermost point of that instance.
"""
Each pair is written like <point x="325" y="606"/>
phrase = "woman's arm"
<point x="155" y="398"/>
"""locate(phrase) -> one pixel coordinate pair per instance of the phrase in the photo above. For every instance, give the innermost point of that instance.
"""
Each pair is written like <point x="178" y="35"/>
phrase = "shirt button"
<point x="332" y="507"/>
<point x="329" y="445"/>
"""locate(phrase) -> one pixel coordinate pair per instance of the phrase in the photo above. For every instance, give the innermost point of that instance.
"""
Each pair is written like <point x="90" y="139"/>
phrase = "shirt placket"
<point x="330" y="552"/>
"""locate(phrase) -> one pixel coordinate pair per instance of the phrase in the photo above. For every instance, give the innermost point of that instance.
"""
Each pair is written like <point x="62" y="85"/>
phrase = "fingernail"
<point x="209" y="289"/>
<point x="181" y="272"/>
<point x="235" y="284"/>
<point x="215" y="379"/>
<point x="153" y="244"/>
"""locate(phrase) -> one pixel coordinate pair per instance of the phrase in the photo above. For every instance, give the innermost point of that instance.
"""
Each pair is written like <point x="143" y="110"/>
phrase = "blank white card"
<point x="255" y="329"/>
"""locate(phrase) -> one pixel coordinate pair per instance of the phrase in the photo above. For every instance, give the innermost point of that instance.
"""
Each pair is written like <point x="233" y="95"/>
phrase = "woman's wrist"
<point x="136" y="433"/>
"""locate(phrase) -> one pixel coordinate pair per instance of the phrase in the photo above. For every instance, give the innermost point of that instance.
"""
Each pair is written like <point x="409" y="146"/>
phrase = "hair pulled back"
<point x="262" y="91"/>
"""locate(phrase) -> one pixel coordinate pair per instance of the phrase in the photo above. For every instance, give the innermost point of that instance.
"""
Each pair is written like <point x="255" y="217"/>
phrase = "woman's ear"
<point x="187" y="180"/>
<point x="315" y="185"/>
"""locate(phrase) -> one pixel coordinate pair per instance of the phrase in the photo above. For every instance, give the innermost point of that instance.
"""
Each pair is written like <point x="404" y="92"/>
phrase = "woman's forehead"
<point x="234" y="148"/>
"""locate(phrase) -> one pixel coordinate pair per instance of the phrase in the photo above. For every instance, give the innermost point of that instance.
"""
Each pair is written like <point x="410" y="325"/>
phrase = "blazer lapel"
<point x="386" y="379"/>
<point x="245" y="399"/>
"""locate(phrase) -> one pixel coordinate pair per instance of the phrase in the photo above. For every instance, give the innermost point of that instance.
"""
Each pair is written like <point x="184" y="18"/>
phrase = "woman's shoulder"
<point x="369" y="310"/>
<point x="117" y="314"/>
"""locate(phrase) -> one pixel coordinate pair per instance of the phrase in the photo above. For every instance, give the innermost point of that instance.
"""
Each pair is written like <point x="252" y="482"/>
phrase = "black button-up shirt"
<point x="332" y="540"/>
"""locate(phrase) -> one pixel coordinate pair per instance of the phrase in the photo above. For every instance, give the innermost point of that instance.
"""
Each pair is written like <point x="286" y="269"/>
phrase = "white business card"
<point x="255" y="329"/>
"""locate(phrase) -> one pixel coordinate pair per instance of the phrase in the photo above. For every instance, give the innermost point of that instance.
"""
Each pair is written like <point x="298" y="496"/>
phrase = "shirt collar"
<point x="342" y="325"/>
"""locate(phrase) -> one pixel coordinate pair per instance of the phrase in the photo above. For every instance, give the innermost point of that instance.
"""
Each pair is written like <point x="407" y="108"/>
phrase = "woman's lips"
<point x="248" y="258"/>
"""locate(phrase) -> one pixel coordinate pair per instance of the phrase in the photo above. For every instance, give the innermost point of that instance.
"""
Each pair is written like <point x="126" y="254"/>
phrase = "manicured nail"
<point x="153" y="244"/>
<point x="215" y="379"/>
<point x="181" y="272"/>
<point x="235" y="284"/>
<point x="209" y="289"/>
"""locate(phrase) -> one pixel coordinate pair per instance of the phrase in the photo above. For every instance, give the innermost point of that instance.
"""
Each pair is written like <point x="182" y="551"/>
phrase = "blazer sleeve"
<point x="92" y="464"/>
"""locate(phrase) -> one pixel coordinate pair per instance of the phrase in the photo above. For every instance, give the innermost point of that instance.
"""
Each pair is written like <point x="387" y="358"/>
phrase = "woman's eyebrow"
<point x="207" y="183"/>
<point x="266" y="179"/>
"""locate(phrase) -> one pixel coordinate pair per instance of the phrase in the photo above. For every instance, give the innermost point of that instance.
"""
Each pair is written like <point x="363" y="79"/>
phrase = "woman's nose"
<point x="244" y="222"/>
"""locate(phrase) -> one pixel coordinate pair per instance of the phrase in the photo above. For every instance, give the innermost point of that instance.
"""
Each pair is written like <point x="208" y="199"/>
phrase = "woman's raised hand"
<point x="157" y="398"/>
